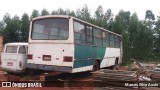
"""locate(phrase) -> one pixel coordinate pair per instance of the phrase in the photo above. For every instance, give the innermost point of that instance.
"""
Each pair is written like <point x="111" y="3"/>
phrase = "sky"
<point x="18" y="7"/>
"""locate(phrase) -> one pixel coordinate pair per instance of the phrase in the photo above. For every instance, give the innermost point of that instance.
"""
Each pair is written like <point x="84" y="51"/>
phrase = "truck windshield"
<point x="50" y="29"/>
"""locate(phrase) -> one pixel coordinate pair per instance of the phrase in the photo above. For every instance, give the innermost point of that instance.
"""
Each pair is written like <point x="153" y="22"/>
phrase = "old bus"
<point x="14" y="57"/>
<point x="67" y="44"/>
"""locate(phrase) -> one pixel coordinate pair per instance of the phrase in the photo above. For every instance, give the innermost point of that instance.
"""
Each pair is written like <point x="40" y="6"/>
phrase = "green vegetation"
<point x="141" y="38"/>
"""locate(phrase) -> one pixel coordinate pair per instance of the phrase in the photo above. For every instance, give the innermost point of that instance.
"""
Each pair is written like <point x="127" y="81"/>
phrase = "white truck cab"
<point x="14" y="57"/>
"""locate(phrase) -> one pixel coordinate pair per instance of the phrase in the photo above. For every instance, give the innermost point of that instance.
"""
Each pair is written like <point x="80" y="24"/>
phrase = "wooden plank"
<point x="13" y="78"/>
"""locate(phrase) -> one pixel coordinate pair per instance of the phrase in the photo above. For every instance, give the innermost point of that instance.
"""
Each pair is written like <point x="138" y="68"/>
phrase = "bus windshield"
<point x="50" y="29"/>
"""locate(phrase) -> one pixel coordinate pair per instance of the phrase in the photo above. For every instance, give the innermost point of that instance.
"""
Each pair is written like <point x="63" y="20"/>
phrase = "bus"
<point x="14" y="57"/>
<point x="67" y="44"/>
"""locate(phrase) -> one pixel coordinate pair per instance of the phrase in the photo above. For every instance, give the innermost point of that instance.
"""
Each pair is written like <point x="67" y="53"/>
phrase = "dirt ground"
<point x="82" y="77"/>
<point x="49" y="88"/>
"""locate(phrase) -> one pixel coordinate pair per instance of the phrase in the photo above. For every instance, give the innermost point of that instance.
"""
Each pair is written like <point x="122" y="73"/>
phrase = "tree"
<point x="121" y="22"/>
<point x="133" y="29"/>
<point x="2" y="26"/>
<point x="12" y="29"/>
<point x="157" y="39"/>
<point x="108" y="19"/>
<point x="7" y="18"/>
<point x="35" y="13"/>
<point x="8" y="22"/>
<point x="99" y="16"/>
<point x="84" y="13"/>
<point x="54" y="12"/>
<point x="149" y="15"/>
<point x="15" y="29"/>
<point x="44" y="12"/>
<point x="70" y="12"/>
<point x="144" y="42"/>
<point x="24" y="28"/>
<point x="59" y="11"/>
<point x="150" y="24"/>
<point x="149" y="20"/>
<point x="103" y="19"/>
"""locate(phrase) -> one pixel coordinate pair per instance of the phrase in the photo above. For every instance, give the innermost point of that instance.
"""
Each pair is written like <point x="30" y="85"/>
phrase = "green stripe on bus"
<point x="83" y="52"/>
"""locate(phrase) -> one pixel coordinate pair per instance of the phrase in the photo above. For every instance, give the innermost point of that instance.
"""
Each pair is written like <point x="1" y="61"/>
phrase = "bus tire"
<point x="96" y="66"/>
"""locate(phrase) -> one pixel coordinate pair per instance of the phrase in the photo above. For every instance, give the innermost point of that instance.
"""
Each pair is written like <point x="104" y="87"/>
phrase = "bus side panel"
<point x="85" y="56"/>
<point x="110" y="56"/>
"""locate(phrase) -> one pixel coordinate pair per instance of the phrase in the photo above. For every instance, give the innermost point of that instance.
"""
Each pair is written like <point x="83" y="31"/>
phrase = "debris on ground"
<point x="147" y="72"/>
<point x="116" y="79"/>
<point x="124" y="68"/>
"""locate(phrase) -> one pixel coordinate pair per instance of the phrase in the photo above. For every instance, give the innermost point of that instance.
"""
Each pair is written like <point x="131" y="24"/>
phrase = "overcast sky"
<point x="18" y="7"/>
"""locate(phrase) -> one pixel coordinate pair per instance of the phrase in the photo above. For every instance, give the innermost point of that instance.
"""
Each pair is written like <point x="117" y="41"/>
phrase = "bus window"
<point x="79" y="32"/>
<point x="11" y="49"/>
<point x="97" y="37"/>
<point x="50" y="29"/>
<point x="111" y="40"/>
<point x="105" y="39"/>
<point x="89" y="35"/>
<point x="117" y="42"/>
<point x="63" y="34"/>
<point x="22" y="50"/>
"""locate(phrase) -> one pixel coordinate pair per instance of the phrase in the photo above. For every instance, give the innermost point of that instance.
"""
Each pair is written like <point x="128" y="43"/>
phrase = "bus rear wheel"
<point x="116" y="64"/>
<point x="96" y="66"/>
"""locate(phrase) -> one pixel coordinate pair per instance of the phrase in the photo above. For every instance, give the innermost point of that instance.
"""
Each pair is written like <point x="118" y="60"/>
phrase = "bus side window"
<point x="90" y="36"/>
<point x="117" y="43"/>
<point x="111" y="40"/>
<point x="79" y="32"/>
<point x="22" y="50"/>
<point x="97" y="37"/>
<point x="105" y="39"/>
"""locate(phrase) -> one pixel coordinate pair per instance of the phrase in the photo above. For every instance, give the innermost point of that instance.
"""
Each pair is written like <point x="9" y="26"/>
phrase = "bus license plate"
<point x="10" y="64"/>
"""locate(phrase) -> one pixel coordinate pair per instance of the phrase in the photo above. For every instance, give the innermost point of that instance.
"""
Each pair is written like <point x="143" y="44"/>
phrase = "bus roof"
<point x="17" y="43"/>
<point x="66" y="16"/>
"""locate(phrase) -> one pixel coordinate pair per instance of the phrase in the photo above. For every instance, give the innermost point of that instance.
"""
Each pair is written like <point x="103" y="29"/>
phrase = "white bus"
<point x="14" y="57"/>
<point x="67" y="44"/>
